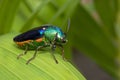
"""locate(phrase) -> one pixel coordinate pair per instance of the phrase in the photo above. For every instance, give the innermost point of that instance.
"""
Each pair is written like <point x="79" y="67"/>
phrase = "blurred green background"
<point x="94" y="33"/>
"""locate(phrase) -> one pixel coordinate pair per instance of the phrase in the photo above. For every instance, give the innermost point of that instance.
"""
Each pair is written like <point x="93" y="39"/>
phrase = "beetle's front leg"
<point x="53" y="49"/>
<point x="53" y="46"/>
<point x="62" y="49"/>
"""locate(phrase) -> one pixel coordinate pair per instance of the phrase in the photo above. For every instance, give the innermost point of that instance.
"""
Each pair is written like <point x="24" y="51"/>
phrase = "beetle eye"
<point x="64" y="40"/>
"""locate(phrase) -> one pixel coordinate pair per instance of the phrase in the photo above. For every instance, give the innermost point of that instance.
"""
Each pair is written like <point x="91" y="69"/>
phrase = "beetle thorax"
<point x="55" y="34"/>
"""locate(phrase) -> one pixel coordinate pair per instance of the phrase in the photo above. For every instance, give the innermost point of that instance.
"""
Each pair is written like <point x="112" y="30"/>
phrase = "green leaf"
<point x="30" y="9"/>
<point x="43" y="67"/>
<point x="90" y="39"/>
<point x="8" y="10"/>
<point x="61" y="10"/>
<point x="30" y="21"/>
<point x="107" y="10"/>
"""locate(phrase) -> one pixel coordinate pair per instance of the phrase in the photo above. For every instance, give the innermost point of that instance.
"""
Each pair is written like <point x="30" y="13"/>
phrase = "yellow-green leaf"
<point x="43" y="67"/>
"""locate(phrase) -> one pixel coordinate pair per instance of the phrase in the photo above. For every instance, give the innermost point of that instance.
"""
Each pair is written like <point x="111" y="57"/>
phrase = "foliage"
<point x="42" y="68"/>
<point x="97" y="38"/>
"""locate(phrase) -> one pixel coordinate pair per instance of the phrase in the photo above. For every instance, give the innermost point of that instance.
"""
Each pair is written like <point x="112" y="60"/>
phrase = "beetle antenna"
<point x="68" y="26"/>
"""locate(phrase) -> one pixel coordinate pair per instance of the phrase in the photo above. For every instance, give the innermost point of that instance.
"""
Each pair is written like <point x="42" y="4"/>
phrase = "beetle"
<point x="40" y="37"/>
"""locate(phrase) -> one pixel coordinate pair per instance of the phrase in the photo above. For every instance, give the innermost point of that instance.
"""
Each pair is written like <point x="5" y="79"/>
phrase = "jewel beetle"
<point x="41" y="37"/>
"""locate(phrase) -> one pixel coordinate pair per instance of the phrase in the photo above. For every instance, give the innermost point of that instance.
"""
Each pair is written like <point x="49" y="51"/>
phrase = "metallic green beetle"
<point x="40" y="37"/>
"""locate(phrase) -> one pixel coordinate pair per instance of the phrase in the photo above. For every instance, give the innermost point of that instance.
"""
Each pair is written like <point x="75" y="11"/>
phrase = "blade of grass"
<point x="8" y="10"/>
<point x="42" y="67"/>
<point x="30" y="21"/>
<point x="69" y="12"/>
<point x="31" y="10"/>
<point x="90" y="39"/>
<point x="61" y="10"/>
<point x="107" y="10"/>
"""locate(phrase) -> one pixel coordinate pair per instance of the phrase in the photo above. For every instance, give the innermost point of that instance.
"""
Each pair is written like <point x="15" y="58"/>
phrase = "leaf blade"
<point x="30" y="21"/>
<point x="107" y="11"/>
<point x="8" y="10"/>
<point x="92" y="40"/>
<point x="42" y="67"/>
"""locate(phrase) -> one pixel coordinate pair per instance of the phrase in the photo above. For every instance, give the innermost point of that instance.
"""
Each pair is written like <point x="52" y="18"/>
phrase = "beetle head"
<point x="61" y="36"/>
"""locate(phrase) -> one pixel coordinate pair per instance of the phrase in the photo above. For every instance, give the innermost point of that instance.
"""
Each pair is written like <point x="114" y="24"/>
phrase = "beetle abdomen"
<point x="31" y="35"/>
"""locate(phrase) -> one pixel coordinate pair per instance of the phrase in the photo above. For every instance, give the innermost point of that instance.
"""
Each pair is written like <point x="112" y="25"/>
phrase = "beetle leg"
<point x="53" y="42"/>
<point x="33" y="57"/>
<point x="55" y="36"/>
<point x="62" y="49"/>
<point x="53" y="48"/>
<point x="24" y="53"/>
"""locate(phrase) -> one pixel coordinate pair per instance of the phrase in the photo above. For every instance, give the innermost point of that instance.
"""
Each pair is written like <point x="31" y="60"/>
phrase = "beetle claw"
<point x="18" y="57"/>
